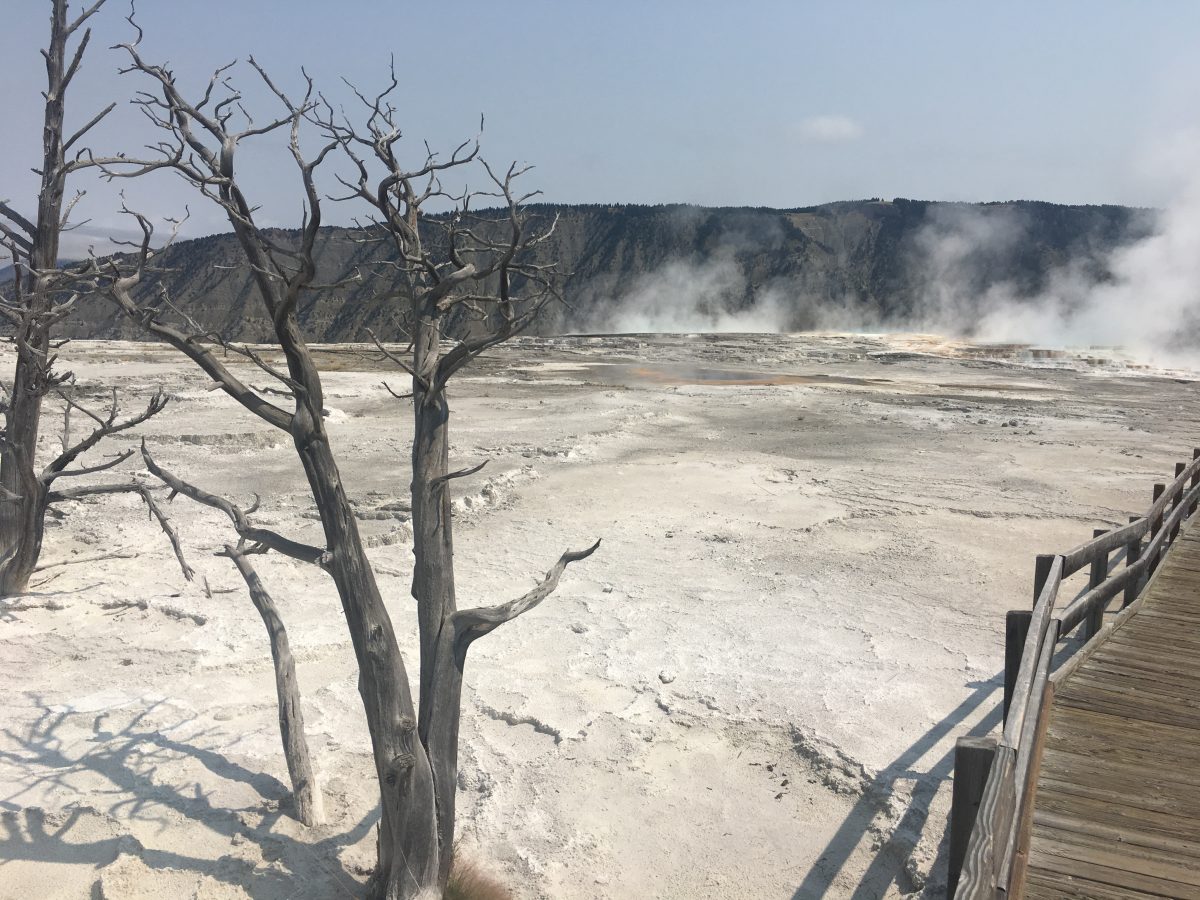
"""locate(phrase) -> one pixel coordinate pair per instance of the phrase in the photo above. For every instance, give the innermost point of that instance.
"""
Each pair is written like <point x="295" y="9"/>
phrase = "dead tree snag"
<point x="41" y="295"/>
<point x="479" y="269"/>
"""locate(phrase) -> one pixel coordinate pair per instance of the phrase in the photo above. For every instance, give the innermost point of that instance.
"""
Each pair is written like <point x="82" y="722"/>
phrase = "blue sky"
<point x="756" y="103"/>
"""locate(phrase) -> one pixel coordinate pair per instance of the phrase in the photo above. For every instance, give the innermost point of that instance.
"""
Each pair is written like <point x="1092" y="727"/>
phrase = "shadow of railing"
<point x="129" y="760"/>
<point x="890" y="862"/>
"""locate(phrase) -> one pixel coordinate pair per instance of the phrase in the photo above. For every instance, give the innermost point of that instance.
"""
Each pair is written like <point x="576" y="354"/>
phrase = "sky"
<point x="755" y="103"/>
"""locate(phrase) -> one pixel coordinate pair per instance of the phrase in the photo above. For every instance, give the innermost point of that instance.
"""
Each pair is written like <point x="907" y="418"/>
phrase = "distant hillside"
<point x="878" y="261"/>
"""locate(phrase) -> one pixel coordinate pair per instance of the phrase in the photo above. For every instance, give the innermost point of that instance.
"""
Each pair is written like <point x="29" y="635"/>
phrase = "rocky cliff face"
<point x="693" y="268"/>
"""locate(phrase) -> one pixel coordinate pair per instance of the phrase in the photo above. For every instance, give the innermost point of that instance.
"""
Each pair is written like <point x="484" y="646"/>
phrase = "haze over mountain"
<point x="872" y="263"/>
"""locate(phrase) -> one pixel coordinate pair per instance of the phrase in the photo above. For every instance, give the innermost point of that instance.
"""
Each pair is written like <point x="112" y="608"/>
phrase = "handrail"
<point x="1078" y="557"/>
<point x="988" y="866"/>
<point x="1038" y="628"/>
<point x="1023" y="769"/>
<point x="1077" y="611"/>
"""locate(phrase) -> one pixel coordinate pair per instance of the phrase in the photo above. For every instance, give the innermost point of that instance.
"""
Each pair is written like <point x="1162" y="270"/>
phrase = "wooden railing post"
<point x="1016" y="629"/>
<point x="1179" y="467"/>
<point x="972" y="763"/>
<point x="1099" y="572"/>
<point x="1133" y="551"/>
<point x="1155" y="528"/>
<point x="1041" y="571"/>
<point x="1195" y="481"/>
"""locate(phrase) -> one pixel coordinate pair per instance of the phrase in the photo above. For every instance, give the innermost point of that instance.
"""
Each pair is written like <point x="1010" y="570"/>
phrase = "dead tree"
<point x="40" y="296"/>
<point x="462" y="263"/>
<point x="415" y="759"/>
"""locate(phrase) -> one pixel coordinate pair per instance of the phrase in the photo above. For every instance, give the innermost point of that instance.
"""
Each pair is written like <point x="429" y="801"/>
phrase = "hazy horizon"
<point x="777" y="105"/>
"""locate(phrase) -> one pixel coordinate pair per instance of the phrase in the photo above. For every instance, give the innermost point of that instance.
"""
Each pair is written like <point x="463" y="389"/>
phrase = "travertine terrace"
<point x="751" y="690"/>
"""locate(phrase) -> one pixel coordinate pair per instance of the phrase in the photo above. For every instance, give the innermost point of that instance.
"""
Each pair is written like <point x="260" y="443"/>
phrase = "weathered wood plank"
<point x="1155" y="643"/>
<point x="1126" y="884"/>
<point x="1131" y="706"/>
<point x="1153" y="631"/>
<point x="1129" y="798"/>
<point x="1122" y="838"/>
<point x="1117" y="775"/>
<point x="1138" y="821"/>
<point x="1075" y="728"/>
<point x="1151" y="689"/>
<point x="1154" y="682"/>
<point x="1165" y="666"/>
<point x="1052" y="885"/>
<point x="973" y="757"/>
<point x="1181" y="874"/>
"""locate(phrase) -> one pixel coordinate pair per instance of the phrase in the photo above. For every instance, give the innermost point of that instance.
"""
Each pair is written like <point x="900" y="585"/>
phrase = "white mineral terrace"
<point x="752" y="689"/>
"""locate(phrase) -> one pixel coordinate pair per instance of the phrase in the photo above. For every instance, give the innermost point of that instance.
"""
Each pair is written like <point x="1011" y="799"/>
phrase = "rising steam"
<point x="968" y="275"/>
<point x="684" y="296"/>
<point x="1142" y="297"/>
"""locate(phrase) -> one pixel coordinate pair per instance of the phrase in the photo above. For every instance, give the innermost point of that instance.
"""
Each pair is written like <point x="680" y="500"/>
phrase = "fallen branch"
<point x="119" y="554"/>
<point x="167" y="609"/>
<point x="132" y="487"/>
<point x="306" y="794"/>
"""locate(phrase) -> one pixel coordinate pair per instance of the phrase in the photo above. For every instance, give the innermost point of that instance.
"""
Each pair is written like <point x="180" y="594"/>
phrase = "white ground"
<point x="751" y="690"/>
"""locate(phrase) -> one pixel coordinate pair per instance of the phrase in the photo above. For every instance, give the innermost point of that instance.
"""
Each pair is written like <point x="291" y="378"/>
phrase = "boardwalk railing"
<point x="992" y="778"/>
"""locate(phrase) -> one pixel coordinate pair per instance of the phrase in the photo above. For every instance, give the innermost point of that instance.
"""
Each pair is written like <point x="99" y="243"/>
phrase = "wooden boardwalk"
<point x="1116" y="808"/>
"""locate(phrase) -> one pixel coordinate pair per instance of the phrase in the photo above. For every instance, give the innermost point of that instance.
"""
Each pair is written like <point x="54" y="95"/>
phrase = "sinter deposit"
<point x="751" y="691"/>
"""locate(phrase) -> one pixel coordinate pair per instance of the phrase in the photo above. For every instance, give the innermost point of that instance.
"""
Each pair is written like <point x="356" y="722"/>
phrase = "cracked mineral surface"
<point x="751" y="690"/>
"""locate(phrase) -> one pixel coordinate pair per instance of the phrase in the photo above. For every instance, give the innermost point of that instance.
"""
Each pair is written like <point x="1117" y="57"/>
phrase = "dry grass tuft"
<point x="469" y="882"/>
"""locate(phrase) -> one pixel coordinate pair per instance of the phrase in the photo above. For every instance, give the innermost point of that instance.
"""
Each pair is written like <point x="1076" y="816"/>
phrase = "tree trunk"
<point x="22" y="520"/>
<point x="408" y="842"/>
<point x="440" y="737"/>
<point x="433" y="583"/>
<point x="306" y="794"/>
<point x="22" y="523"/>
<point x="409" y="867"/>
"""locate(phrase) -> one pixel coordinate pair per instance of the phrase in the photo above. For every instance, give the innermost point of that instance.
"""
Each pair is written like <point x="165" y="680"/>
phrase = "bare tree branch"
<point x="105" y="426"/>
<point x="98" y="557"/>
<point x="120" y="290"/>
<point x="131" y="487"/>
<point x="84" y="16"/>
<point x="241" y="524"/>
<point x="305" y="793"/>
<point x="461" y="473"/>
<point x="9" y="213"/>
<point x="471" y="624"/>
<point x="91" y="123"/>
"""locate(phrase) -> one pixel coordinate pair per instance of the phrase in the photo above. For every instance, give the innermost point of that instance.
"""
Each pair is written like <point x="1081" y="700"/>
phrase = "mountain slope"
<point x="878" y="261"/>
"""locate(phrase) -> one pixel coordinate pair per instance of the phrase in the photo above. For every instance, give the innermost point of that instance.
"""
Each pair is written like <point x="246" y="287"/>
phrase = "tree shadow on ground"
<point x="890" y="863"/>
<point x="130" y="761"/>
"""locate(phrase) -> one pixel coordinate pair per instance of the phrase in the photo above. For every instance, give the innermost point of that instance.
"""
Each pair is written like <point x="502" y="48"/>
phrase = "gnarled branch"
<point x="105" y="426"/>
<point x="471" y="624"/>
<point x="131" y="487"/>
<point x="241" y="523"/>
<point x="120" y="288"/>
